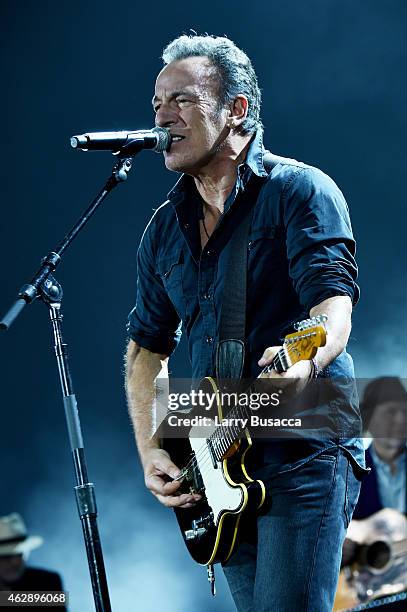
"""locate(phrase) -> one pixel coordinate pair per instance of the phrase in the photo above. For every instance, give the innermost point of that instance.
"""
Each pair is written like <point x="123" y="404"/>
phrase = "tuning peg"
<point x="312" y="322"/>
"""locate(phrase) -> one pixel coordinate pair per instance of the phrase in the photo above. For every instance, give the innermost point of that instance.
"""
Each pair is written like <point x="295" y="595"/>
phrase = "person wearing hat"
<point x="384" y="413"/>
<point x="15" y="547"/>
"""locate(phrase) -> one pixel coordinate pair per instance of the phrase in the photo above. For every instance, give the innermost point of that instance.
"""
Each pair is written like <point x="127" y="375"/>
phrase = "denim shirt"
<point x="392" y="486"/>
<point x="300" y="252"/>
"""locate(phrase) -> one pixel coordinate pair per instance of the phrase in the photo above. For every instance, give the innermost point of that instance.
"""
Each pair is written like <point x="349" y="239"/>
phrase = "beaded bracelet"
<point x="315" y="368"/>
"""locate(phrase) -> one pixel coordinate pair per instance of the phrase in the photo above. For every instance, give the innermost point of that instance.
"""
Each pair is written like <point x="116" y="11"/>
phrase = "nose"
<point x="165" y="117"/>
<point x="400" y="418"/>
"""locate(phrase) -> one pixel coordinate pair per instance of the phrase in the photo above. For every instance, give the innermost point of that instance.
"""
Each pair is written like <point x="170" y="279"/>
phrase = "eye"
<point x="182" y="100"/>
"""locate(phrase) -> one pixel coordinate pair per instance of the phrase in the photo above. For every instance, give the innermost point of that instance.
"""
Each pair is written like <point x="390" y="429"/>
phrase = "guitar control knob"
<point x="192" y="534"/>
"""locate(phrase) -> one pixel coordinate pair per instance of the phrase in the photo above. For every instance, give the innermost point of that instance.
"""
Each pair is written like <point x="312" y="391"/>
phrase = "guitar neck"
<point x="298" y="346"/>
<point x="227" y="434"/>
<point x="281" y="362"/>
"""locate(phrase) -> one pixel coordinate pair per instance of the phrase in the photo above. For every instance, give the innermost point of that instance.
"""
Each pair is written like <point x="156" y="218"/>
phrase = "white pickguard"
<point x="220" y="494"/>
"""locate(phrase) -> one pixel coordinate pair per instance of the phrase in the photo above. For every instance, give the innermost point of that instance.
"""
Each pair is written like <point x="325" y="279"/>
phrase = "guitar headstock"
<point x="303" y="343"/>
<point x="313" y="322"/>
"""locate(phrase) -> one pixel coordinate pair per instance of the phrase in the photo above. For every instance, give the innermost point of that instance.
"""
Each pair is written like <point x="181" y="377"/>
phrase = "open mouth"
<point x="175" y="138"/>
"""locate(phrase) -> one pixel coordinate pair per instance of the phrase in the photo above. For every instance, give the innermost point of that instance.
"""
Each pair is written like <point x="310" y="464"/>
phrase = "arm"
<point x="339" y="312"/>
<point x="142" y="368"/>
<point x="154" y="331"/>
<point x="338" y="309"/>
<point x="320" y="252"/>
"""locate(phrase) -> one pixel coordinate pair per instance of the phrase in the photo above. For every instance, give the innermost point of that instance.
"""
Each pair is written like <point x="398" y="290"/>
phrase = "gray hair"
<point x="235" y="71"/>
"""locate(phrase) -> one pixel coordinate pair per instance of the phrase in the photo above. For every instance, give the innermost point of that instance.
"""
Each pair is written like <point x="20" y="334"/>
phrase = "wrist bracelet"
<point x="315" y="368"/>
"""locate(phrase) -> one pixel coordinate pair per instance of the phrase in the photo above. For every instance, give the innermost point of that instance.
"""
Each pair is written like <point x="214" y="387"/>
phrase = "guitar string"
<point x="203" y="455"/>
<point x="204" y="452"/>
<point x="204" y="448"/>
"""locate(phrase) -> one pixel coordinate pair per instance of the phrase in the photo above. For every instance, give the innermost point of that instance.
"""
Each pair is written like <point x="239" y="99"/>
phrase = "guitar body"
<point x="210" y="528"/>
<point x="211" y="456"/>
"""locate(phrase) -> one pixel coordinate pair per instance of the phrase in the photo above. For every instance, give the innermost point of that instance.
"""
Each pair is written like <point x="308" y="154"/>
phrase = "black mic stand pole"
<point x="45" y="287"/>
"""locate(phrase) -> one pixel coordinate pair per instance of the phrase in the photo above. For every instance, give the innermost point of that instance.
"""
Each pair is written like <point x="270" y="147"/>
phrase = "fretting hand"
<point x="295" y="378"/>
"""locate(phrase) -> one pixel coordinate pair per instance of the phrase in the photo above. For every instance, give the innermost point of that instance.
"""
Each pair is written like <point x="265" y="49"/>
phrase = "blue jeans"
<point x="289" y="559"/>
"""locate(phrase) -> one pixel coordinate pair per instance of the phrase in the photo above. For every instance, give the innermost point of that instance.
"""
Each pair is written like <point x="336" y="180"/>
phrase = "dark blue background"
<point x="335" y="95"/>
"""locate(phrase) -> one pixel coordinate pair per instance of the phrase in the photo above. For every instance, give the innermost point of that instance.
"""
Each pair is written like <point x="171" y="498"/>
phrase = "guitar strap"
<point x="230" y="350"/>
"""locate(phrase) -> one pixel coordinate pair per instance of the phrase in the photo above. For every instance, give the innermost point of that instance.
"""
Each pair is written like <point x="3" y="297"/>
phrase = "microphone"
<point x="158" y="139"/>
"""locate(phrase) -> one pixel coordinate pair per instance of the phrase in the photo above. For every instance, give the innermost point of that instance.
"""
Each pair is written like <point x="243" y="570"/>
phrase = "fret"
<point x="301" y="345"/>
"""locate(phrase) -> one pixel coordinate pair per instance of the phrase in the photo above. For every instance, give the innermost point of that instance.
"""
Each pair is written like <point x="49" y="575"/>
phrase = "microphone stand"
<point x="45" y="287"/>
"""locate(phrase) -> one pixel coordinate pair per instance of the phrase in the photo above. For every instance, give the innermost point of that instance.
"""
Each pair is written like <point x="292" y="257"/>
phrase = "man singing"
<point x="300" y="264"/>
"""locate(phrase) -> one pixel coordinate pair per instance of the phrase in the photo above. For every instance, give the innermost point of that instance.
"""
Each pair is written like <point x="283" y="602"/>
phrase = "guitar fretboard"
<point x="225" y="435"/>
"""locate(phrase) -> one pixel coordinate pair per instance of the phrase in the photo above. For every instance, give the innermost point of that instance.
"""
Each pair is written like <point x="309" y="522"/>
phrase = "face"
<point x="11" y="568"/>
<point x="186" y="102"/>
<point x="389" y="423"/>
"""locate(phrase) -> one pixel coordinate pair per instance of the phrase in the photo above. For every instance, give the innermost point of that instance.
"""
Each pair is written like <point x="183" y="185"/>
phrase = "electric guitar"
<point x="214" y="461"/>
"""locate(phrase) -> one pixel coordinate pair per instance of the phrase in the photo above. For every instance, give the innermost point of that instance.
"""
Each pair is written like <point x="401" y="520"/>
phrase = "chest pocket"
<point x="266" y="250"/>
<point x="169" y="269"/>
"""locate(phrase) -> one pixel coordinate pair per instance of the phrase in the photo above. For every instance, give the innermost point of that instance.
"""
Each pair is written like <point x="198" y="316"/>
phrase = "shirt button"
<point x="209" y="252"/>
<point x="186" y="225"/>
<point x="209" y="339"/>
<point x="207" y="296"/>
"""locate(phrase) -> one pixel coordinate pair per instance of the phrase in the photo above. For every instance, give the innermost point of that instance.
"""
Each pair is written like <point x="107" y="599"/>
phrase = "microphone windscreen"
<point x="164" y="139"/>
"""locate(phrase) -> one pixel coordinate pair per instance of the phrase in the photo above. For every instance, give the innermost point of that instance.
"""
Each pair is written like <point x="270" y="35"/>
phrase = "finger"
<point x="176" y="501"/>
<point x="169" y="488"/>
<point x="168" y="491"/>
<point x="268" y="355"/>
<point x="167" y="466"/>
<point x="156" y="484"/>
<point x="189" y="504"/>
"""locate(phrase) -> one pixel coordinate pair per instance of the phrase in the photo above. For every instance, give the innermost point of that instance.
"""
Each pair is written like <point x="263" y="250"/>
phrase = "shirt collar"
<point x="383" y="464"/>
<point x="255" y="154"/>
<point x="253" y="162"/>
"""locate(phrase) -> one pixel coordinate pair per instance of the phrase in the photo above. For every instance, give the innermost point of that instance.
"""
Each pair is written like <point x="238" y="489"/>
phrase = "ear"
<point x="237" y="111"/>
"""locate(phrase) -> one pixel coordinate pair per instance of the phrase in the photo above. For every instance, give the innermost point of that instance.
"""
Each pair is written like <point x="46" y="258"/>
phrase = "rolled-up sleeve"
<point x="153" y="323"/>
<point x="320" y="244"/>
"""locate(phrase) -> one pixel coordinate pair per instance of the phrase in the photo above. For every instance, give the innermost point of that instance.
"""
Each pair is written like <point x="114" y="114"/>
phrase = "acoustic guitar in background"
<point x="379" y="566"/>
